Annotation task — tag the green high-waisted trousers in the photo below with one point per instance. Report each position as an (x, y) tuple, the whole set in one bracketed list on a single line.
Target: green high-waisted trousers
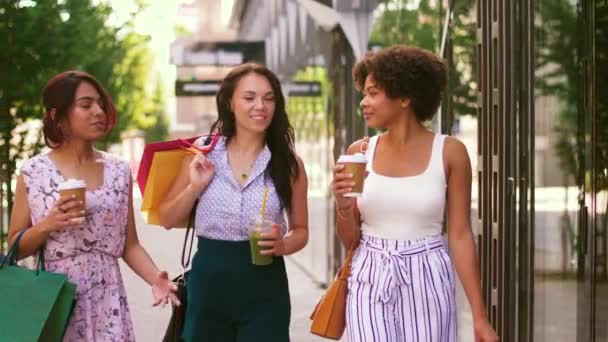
[(232, 300)]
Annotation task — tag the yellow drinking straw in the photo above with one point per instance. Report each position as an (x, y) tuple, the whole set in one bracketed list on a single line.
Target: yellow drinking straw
[(263, 206)]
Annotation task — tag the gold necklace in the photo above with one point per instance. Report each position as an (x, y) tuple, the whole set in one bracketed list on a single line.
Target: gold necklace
[(245, 175)]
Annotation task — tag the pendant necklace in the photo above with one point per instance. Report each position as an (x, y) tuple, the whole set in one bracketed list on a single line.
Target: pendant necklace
[(245, 175)]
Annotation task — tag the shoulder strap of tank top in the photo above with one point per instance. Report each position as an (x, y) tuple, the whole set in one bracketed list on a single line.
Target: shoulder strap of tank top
[(371, 151), (437, 154)]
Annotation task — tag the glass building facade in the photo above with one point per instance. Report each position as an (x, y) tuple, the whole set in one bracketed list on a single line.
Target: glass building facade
[(542, 167)]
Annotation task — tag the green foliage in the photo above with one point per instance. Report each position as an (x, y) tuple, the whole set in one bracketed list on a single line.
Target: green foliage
[(156, 125), (557, 74), (560, 74), (181, 30), (401, 22), (128, 84), (304, 110), (43, 38)]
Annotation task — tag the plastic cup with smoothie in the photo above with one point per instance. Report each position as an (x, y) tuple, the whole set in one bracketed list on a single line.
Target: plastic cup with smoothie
[(76, 188), (256, 228), (354, 164)]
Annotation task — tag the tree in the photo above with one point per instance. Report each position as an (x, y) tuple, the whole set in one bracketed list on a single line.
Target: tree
[(557, 76), (299, 108), (156, 126), (561, 60), (402, 22), (43, 38)]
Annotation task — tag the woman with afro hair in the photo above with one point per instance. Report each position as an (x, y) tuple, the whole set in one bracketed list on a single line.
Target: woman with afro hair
[(402, 283)]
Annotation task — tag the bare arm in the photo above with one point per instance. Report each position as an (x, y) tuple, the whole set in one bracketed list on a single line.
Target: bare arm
[(348, 222), (297, 235), (36, 236), (460, 235), (194, 176), (140, 262), (134, 254)]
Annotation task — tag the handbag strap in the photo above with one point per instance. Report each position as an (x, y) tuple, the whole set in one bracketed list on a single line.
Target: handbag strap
[(189, 237), (40, 266), (13, 254), (210, 143), (344, 271)]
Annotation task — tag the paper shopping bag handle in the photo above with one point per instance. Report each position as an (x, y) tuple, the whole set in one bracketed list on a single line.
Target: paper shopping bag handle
[(205, 149), (13, 254)]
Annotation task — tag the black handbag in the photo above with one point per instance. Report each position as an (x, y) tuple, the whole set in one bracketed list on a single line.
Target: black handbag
[(178, 313)]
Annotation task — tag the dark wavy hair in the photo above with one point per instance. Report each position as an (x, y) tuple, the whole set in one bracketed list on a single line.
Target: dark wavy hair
[(58, 95), (279, 136), (406, 72)]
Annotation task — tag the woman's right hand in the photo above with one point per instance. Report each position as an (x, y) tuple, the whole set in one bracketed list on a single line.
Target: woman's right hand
[(60, 215), (342, 183), (202, 171)]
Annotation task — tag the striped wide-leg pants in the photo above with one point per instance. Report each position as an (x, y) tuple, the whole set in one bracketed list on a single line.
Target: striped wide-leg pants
[(401, 291)]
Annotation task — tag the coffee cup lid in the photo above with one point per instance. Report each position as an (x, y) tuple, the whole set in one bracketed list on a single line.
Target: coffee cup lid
[(353, 158), (72, 184)]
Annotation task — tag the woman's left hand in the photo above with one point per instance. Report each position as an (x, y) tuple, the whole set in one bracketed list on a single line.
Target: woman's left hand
[(484, 332), (164, 290), (272, 242)]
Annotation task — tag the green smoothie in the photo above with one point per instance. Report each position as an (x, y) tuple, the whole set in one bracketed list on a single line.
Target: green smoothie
[(256, 257)]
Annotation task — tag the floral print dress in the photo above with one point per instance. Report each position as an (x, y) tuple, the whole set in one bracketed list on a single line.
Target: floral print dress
[(88, 253)]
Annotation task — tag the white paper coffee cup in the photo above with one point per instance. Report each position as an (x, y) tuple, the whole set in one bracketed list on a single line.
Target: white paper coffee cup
[(77, 188), (354, 164)]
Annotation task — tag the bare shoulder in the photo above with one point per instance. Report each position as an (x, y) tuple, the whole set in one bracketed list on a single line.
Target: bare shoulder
[(301, 177), (454, 145), (300, 163), (358, 146), (455, 152)]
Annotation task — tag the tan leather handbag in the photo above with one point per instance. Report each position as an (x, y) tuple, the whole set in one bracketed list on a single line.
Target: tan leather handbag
[(329, 316)]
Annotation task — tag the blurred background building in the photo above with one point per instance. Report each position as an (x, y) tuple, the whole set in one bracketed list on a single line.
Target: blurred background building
[(198, 64)]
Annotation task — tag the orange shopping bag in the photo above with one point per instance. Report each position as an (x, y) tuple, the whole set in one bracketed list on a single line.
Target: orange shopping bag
[(158, 170)]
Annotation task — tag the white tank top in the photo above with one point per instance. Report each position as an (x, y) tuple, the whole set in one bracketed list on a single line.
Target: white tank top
[(404, 208)]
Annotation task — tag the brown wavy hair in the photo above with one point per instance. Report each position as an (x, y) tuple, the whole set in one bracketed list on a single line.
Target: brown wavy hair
[(283, 165), (406, 72), (58, 95)]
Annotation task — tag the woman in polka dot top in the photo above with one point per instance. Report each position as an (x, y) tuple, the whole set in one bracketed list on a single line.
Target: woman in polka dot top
[(229, 298)]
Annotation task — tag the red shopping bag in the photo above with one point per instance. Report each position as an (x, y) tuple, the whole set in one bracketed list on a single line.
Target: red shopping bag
[(160, 166), (150, 149)]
